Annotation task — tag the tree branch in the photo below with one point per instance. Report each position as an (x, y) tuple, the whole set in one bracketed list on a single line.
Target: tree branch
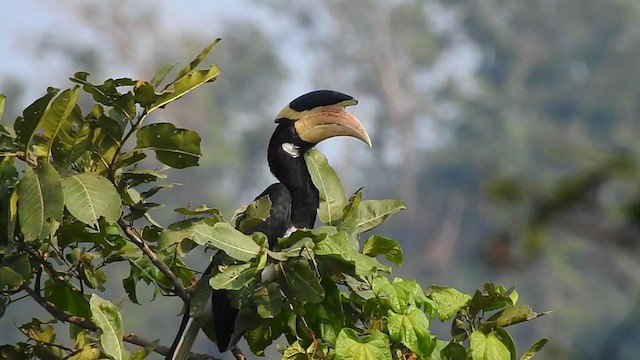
[(135, 237), (22, 156), (59, 314), (89, 325), (53, 273)]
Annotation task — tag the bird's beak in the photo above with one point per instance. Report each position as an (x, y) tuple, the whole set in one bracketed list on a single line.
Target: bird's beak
[(328, 121)]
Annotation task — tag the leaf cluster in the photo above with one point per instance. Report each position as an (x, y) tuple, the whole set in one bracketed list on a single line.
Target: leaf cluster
[(75, 199), (71, 189)]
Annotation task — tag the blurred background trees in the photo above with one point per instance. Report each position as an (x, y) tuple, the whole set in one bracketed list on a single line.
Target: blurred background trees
[(510, 128)]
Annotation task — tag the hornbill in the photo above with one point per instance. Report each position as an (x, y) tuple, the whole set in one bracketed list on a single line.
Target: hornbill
[(301, 125)]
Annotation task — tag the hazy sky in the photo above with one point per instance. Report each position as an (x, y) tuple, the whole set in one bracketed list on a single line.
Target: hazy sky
[(23, 23)]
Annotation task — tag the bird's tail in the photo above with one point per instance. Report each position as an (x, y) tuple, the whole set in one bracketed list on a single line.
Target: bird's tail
[(183, 346)]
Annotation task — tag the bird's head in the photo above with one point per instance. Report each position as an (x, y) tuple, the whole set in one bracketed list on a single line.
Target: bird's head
[(317, 116)]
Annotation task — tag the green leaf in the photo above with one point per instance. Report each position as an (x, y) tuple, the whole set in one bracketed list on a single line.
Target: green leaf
[(178, 148), (268, 300), (487, 347), (257, 212), (513, 295), (88, 196), (453, 351), (141, 268), (303, 282), (8, 199), (94, 278), (293, 251), (415, 294), (491, 297), (135, 177), (129, 158), (67, 299), (88, 352), (296, 351), (201, 210), (184, 84), (262, 333), (514, 315), (225, 237), (372, 347), (73, 140), (504, 336), (144, 94), (26, 125), (534, 349), (387, 293), (372, 213), (339, 246), (142, 353), (350, 210), (177, 232), (54, 120), (195, 62), (234, 277), (14, 272), (2, 101), (160, 74), (399, 294), (41, 198), (154, 190), (108, 94), (380, 245), (108, 319), (447, 301), (411, 330), (140, 209), (332, 199), (106, 140), (330, 312)]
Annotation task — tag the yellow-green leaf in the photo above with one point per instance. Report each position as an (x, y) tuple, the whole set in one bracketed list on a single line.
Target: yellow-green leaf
[(350, 346), (224, 237), (89, 196), (234, 277), (487, 347), (40, 199), (108, 319), (178, 148), (331, 194), (54, 120), (372, 213)]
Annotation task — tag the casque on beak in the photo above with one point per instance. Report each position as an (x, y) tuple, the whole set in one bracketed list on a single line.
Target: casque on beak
[(327, 121)]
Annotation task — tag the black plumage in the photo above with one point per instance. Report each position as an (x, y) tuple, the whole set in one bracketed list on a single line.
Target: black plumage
[(302, 124), (275, 226)]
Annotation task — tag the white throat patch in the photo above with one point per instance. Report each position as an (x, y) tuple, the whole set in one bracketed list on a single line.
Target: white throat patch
[(292, 150)]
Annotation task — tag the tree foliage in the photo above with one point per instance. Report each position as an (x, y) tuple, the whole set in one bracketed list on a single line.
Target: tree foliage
[(76, 198)]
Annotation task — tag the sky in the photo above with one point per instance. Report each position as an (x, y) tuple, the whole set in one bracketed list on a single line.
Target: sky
[(22, 24)]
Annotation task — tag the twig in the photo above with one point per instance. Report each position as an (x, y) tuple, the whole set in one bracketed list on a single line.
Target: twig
[(134, 127), (89, 325), (135, 237), (22, 156), (46, 343), (53, 273), (136, 340), (59, 314)]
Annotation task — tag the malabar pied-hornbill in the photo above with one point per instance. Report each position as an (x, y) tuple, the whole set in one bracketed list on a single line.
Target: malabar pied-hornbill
[(302, 124)]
